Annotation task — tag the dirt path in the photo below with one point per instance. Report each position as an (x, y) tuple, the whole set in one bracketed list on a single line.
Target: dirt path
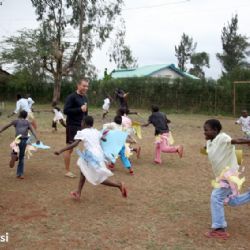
[(167, 208)]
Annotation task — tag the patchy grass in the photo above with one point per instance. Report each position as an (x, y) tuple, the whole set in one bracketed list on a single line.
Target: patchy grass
[(167, 207)]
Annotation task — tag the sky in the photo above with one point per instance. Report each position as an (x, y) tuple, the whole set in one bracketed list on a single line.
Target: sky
[(153, 28)]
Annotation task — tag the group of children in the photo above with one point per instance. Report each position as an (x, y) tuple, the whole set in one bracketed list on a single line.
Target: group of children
[(96, 167)]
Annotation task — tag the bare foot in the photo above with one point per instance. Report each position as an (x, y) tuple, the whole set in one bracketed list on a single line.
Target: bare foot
[(180, 151), (75, 195), (131, 171), (123, 190), (13, 159), (138, 152)]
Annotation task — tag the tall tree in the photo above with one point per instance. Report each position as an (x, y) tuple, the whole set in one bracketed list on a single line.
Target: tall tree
[(63, 48), (235, 47), (199, 61), (120, 53), (184, 51)]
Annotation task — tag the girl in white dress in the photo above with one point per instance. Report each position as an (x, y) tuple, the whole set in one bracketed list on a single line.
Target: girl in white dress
[(106, 106), (91, 161), (58, 117)]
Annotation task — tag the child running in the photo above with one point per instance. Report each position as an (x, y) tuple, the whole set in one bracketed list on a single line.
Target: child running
[(127, 126), (160, 122), (221, 153), (105, 107), (22, 126), (117, 125), (22, 104), (244, 121), (58, 118), (91, 161)]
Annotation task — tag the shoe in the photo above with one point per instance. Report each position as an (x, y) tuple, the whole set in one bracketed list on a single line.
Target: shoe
[(131, 171), (218, 234), (21, 177), (70, 175)]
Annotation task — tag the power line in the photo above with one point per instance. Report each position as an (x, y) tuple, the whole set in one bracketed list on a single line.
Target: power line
[(156, 5)]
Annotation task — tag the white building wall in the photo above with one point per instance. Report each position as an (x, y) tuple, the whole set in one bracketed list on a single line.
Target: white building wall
[(166, 73)]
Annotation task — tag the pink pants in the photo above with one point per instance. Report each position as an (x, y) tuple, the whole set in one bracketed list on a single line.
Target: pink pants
[(163, 146)]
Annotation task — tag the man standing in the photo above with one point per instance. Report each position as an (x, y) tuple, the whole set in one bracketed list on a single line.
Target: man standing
[(76, 109)]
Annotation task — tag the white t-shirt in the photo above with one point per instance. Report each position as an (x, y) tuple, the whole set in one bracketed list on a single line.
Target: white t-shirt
[(106, 104), (30, 102), (22, 104), (245, 123), (58, 115), (91, 140), (221, 153)]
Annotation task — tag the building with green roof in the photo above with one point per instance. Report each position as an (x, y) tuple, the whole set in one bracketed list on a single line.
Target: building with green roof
[(161, 70)]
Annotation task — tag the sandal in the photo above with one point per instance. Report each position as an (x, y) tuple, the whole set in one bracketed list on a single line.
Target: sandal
[(74, 195), (218, 234), (70, 175)]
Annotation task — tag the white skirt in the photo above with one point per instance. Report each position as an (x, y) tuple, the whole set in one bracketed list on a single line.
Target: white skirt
[(94, 171)]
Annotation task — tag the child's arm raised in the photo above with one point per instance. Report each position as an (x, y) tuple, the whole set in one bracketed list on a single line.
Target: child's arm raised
[(5, 127), (71, 146), (240, 141)]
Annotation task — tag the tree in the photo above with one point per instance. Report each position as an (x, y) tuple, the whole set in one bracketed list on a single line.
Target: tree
[(235, 47), (184, 51), (121, 53), (23, 50), (199, 60), (63, 49)]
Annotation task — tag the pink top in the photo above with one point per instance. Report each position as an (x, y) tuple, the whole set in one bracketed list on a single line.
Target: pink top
[(126, 122)]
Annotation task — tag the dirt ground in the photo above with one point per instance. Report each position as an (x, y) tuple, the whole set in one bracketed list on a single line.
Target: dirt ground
[(167, 206)]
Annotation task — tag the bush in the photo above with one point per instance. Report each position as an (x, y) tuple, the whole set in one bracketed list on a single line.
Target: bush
[(180, 95)]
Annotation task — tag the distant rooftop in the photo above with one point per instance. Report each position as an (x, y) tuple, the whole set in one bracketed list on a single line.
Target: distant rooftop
[(147, 71)]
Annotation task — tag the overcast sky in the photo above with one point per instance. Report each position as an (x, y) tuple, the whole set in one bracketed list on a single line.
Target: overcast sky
[(153, 28)]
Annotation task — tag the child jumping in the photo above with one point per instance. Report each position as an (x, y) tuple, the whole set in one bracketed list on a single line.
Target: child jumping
[(221, 153), (58, 118), (22, 126), (91, 161), (160, 122), (244, 121)]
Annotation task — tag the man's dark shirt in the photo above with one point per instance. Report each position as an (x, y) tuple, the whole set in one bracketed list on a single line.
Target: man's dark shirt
[(72, 109)]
